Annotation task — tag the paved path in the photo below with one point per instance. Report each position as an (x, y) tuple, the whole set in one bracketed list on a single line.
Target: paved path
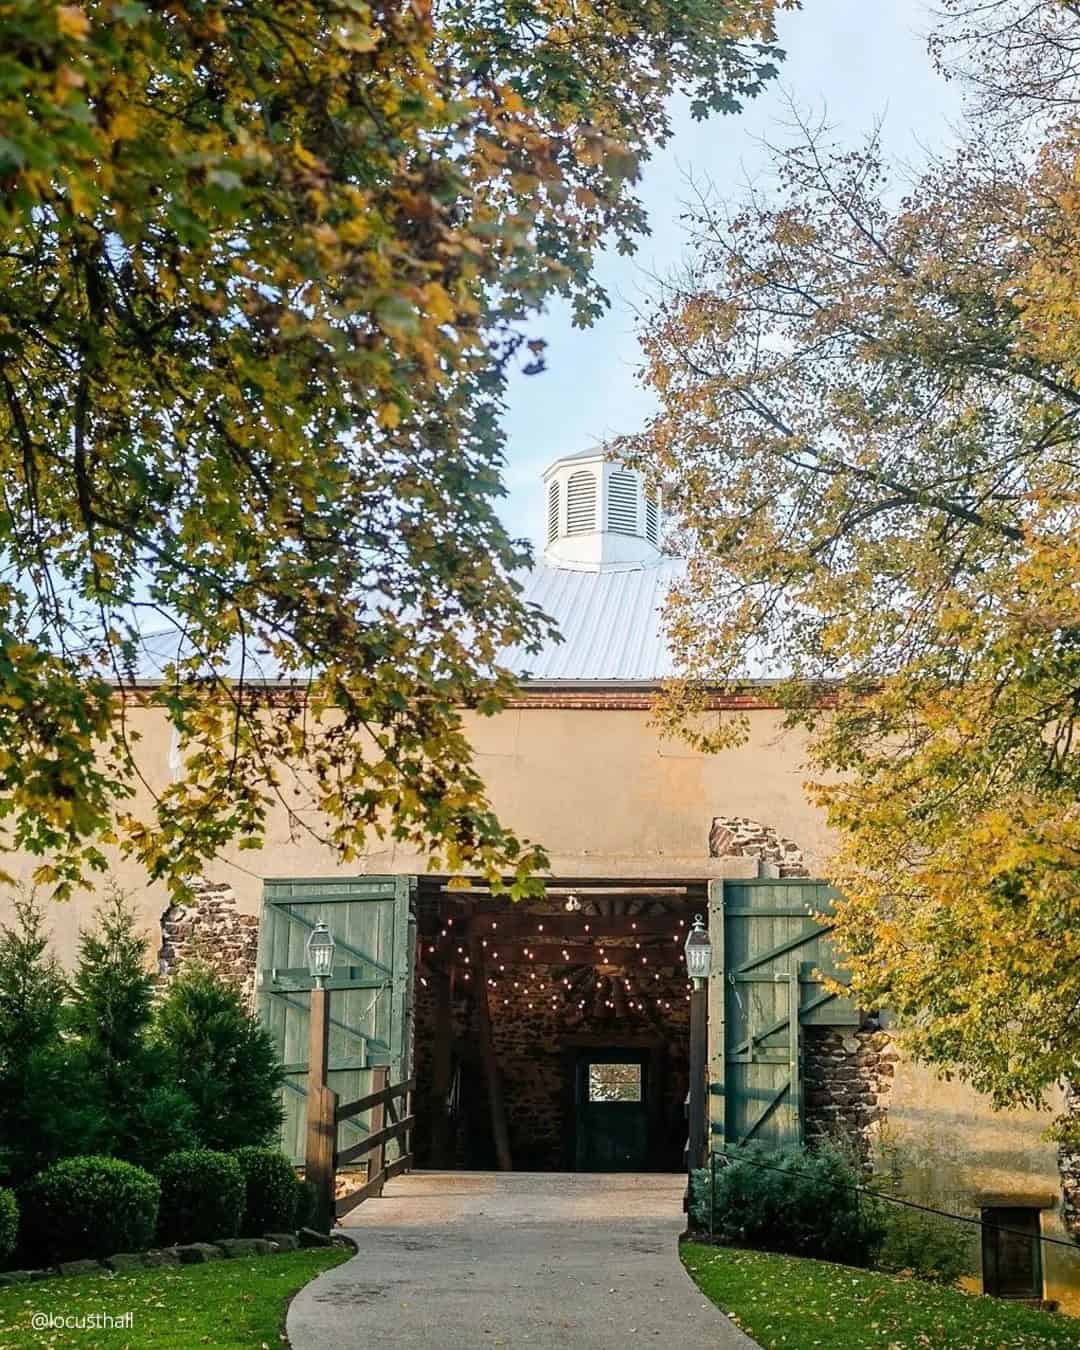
[(467, 1260)]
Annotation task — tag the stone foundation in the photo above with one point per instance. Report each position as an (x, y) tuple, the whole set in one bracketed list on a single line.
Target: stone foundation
[(847, 1080), (211, 930), (741, 837), (1069, 1163)]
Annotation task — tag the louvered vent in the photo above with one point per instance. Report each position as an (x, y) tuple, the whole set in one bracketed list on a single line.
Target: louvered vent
[(622, 502), (553, 511), (580, 502), (652, 519)]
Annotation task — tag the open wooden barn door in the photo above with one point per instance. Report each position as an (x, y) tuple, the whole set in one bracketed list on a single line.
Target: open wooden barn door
[(374, 927), (769, 955)]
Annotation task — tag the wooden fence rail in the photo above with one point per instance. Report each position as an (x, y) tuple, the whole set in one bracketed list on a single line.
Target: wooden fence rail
[(325, 1159)]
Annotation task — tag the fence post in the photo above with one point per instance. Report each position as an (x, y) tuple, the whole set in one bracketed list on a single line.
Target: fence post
[(322, 1102), (380, 1079)]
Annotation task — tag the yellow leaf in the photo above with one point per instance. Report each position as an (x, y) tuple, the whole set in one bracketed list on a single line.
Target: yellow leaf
[(124, 125), (72, 22)]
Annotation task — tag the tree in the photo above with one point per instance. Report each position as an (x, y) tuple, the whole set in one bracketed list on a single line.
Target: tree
[(142, 1113), (869, 436), (265, 266), (222, 1058), (42, 1115), (1019, 60)]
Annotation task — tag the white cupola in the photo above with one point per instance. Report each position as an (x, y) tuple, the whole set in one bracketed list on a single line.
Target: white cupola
[(599, 514)]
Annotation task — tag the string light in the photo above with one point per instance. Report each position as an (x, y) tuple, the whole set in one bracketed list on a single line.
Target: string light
[(634, 1002)]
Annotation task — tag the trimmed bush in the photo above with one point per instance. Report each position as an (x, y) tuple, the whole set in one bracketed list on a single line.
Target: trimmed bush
[(9, 1224), (89, 1207), (270, 1194), (202, 1196), (796, 1200)]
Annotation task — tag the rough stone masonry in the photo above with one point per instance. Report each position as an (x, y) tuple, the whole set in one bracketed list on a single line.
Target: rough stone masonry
[(211, 929)]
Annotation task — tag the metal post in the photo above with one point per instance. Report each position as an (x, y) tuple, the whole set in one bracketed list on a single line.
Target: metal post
[(699, 1002), (321, 1112)]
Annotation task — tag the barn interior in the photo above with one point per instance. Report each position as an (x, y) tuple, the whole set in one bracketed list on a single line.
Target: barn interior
[(552, 1035)]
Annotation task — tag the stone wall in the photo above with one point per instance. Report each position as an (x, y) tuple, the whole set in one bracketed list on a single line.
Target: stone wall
[(847, 1081), (741, 837), (1069, 1163), (211, 930)]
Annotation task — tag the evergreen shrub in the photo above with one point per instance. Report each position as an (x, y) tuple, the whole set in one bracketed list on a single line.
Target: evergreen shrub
[(798, 1200), (202, 1196), (270, 1192), (89, 1207)]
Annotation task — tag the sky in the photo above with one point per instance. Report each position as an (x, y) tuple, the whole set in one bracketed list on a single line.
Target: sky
[(858, 61)]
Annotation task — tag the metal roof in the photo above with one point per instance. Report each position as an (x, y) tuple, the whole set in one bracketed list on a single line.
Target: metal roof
[(610, 620)]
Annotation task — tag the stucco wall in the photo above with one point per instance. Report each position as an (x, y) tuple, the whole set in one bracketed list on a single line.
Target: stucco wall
[(599, 788), (969, 1157)]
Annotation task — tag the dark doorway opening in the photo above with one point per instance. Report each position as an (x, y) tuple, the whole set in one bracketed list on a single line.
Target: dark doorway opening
[(1011, 1253), (587, 980), (612, 1095)]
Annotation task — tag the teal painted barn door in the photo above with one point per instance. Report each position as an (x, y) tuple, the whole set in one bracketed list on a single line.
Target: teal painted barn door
[(769, 955), (373, 923)]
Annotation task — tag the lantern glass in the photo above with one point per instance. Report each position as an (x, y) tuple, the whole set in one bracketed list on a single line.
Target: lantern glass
[(320, 951), (698, 951)]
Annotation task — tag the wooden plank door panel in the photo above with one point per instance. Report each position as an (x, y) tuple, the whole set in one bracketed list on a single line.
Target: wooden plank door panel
[(373, 924), (770, 958)]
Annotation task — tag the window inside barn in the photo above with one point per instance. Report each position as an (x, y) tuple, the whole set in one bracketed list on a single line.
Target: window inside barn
[(614, 1082)]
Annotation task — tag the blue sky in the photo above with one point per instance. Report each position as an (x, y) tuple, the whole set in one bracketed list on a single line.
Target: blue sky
[(856, 60)]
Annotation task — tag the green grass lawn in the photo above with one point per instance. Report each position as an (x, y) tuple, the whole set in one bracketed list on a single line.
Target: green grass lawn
[(224, 1304), (797, 1304)]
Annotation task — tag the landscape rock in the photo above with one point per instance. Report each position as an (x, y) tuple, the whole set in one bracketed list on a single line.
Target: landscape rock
[(245, 1246), (122, 1262), (167, 1256), (17, 1277), (85, 1267), (310, 1237), (286, 1242), (192, 1253)]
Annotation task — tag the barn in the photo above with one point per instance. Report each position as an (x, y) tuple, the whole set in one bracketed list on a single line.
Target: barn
[(553, 1035)]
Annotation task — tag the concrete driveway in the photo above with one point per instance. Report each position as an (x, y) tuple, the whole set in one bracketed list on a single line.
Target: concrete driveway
[(465, 1260)]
